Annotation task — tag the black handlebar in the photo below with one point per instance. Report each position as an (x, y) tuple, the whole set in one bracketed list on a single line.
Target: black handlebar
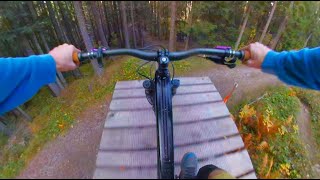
[(175, 56), (153, 56)]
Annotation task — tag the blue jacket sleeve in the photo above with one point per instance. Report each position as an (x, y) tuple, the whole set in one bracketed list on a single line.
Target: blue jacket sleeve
[(298, 68), (21, 78)]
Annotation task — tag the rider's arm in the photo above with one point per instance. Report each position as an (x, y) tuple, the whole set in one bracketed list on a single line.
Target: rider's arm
[(21, 78), (299, 68)]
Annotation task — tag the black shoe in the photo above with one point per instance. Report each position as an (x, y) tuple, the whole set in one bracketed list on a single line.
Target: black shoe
[(189, 166)]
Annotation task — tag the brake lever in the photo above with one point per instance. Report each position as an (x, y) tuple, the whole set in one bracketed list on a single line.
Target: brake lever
[(215, 59), (221, 60), (231, 64)]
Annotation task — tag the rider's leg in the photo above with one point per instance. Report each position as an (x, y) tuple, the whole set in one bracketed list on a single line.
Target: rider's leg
[(189, 166), (213, 172)]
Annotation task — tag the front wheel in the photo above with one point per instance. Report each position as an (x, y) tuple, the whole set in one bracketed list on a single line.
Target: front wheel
[(163, 107)]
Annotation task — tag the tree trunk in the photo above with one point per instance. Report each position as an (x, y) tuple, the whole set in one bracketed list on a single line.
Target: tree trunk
[(242, 29), (34, 17), (108, 19), (268, 22), (159, 21), (56, 26), (97, 16), (51, 30), (166, 25), (62, 79), (59, 82), (133, 25), (153, 19), (85, 35), (172, 38), (91, 23), (67, 22), (3, 128), (36, 42), (104, 21), (24, 114), (75, 27), (44, 42), (140, 30), (282, 27), (306, 42), (124, 24), (66, 34), (118, 23), (189, 25)]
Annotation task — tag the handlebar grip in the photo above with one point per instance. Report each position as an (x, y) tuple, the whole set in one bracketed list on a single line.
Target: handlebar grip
[(75, 58), (247, 55)]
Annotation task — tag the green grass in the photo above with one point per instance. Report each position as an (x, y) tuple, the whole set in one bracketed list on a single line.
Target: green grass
[(279, 104), (54, 116), (312, 99), (3, 140)]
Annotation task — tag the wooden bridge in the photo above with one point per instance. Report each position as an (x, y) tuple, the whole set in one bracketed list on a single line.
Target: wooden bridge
[(202, 124)]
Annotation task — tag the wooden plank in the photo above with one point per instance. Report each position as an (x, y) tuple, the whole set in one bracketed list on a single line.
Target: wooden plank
[(236, 164), (121, 173), (249, 176), (148, 158), (132, 93), (201, 125), (142, 103), (183, 81), (24, 114), (180, 114), (151, 172), (135, 138)]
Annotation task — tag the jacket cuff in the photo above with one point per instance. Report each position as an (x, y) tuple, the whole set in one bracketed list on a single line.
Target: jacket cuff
[(269, 63)]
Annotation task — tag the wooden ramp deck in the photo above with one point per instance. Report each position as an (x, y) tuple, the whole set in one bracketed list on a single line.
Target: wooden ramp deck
[(202, 124)]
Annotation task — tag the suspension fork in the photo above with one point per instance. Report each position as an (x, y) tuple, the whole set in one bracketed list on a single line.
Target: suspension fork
[(149, 86)]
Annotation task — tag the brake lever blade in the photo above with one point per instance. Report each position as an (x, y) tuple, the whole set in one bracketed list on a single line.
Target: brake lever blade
[(216, 59)]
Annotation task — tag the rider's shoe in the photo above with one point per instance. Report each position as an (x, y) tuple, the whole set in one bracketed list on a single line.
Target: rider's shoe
[(189, 166)]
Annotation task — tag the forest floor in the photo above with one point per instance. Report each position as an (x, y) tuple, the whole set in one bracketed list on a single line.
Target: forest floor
[(73, 154)]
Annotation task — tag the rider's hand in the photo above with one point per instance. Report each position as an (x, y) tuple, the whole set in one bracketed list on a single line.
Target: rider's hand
[(258, 52), (62, 55)]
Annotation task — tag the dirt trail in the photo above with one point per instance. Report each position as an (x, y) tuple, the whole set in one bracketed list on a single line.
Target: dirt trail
[(72, 155), (305, 133)]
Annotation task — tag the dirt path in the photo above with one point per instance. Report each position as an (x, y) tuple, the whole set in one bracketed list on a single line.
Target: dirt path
[(305, 133), (74, 154)]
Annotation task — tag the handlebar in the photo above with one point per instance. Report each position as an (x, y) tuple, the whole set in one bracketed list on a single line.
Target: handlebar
[(153, 56)]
